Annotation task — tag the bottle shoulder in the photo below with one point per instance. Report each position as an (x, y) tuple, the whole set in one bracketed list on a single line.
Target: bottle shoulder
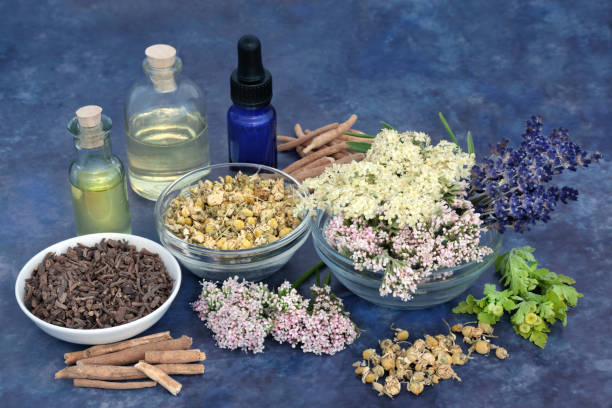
[(95, 173), (143, 97), (238, 113)]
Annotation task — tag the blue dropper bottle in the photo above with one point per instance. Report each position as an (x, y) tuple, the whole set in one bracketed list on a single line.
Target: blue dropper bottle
[(251, 121)]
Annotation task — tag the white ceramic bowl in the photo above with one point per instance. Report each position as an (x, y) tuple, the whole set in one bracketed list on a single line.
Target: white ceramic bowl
[(111, 334)]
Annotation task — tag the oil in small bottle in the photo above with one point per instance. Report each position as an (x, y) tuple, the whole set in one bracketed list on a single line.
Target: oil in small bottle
[(97, 177)]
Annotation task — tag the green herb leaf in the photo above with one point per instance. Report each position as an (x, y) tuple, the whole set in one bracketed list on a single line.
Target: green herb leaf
[(467, 306), (567, 293), (448, 129), (327, 280), (470, 143), (539, 339), (362, 135), (388, 126), (359, 147)]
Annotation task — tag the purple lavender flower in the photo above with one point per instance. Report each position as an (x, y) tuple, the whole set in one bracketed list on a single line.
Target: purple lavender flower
[(509, 188)]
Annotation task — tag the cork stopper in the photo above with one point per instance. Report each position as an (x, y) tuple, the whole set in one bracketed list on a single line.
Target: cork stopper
[(161, 56), (90, 133), (89, 116)]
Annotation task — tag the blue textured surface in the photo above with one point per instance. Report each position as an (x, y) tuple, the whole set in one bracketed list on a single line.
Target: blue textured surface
[(488, 65)]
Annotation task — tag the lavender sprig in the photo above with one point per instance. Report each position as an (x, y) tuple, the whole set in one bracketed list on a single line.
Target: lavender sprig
[(509, 188)]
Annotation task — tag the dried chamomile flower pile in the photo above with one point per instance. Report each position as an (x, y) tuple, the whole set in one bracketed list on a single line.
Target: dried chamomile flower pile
[(238, 212), (425, 362)]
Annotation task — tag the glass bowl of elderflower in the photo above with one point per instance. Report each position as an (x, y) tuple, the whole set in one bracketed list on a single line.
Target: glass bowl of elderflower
[(397, 228), (232, 219)]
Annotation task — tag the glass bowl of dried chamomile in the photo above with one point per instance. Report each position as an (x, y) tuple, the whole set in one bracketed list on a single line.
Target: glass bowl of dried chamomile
[(232, 219)]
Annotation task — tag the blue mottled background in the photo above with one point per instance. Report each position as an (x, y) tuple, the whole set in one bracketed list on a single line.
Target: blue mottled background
[(488, 65)]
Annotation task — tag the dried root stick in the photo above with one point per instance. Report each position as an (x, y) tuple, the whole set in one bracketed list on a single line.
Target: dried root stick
[(281, 138), (304, 137), (350, 158), (331, 134), (306, 173), (355, 139), (118, 373), (110, 385), (134, 354), (157, 375), (71, 358), (314, 156), (320, 162), (174, 356)]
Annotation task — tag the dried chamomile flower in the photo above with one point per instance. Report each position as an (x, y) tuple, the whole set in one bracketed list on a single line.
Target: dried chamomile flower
[(470, 332), (400, 334), (486, 328), (392, 386), (388, 363), (385, 345), (501, 353), (415, 387), (430, 341), (368, 354), (369, 378), (379, 388), (459, 358), (445, 372), (378, 371)]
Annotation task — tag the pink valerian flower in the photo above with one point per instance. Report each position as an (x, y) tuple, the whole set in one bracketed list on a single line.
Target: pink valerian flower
[(235, 313), (242, 314), (328, 328), (359, 241), (409, 255), (324, 327), (290, 312)]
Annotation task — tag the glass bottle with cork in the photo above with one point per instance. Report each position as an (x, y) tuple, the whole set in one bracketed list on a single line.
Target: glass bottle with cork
[(251, 121), (97, 177), (166, 126)]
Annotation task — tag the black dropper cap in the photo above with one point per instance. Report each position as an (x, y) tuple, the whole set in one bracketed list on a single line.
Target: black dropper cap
[(250, 83)]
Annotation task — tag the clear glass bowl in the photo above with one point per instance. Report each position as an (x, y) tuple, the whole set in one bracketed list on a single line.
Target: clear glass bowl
[(444, 285), (253, 264)]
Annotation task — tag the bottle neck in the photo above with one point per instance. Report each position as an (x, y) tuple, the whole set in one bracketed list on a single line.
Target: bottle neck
[(164, 79), (87, 152)]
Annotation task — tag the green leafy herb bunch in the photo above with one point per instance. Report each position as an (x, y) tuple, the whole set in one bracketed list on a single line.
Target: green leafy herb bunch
[(535, 297)]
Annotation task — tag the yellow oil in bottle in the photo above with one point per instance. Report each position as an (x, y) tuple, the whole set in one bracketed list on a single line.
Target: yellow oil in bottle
[(100, 202), (163, 145)]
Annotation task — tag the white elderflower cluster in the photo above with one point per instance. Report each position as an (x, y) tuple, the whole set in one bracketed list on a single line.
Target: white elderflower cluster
[(403, 180)]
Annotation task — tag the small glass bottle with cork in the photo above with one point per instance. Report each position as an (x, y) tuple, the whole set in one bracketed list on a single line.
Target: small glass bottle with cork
[(97, 177), (166, 126)]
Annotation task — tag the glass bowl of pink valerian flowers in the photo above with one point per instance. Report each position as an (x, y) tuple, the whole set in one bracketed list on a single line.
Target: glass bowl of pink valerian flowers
[(415, 224)]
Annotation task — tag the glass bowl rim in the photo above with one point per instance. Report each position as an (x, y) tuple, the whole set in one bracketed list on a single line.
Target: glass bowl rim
[(319, 239), (200, 250)]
